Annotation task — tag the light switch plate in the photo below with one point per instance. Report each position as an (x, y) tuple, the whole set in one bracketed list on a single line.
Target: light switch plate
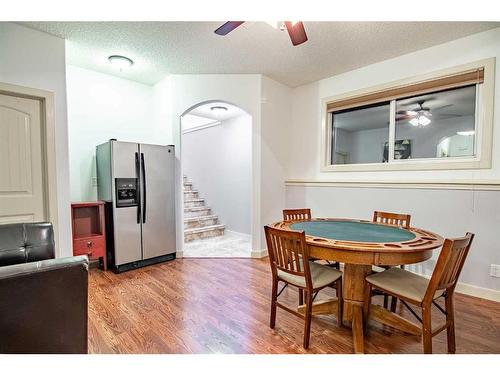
[(94, 181), (495, 270)]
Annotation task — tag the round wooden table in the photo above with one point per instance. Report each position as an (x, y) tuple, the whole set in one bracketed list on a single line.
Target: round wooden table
[(360, 245)]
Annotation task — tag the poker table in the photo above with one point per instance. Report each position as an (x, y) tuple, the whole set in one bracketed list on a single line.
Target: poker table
[(360, 245)]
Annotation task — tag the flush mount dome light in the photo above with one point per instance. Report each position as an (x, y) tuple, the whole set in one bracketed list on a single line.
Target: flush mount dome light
[(218, 110), (120, 62)]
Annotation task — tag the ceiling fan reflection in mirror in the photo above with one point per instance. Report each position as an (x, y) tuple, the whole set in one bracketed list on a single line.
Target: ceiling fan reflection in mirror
[(295, 29)]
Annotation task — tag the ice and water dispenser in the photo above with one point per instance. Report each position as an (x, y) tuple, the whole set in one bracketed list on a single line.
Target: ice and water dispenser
[(126, 192)]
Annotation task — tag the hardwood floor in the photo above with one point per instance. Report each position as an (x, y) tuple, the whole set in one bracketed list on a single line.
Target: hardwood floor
[(222, 306)]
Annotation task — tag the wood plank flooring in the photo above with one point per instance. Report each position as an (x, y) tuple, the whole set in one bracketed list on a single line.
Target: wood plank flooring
[(222, 306)]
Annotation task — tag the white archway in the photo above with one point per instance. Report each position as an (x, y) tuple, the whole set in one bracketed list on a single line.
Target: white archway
[(228, 186)]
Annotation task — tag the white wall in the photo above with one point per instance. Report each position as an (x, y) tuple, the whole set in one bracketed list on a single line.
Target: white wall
[(34, 59), (186, 91), (367, 146), (218, 160), (344, 148), (118, 108), (101, 107), (268, 103), (275, 124), (169, 99), (447, 212), (162, 109)]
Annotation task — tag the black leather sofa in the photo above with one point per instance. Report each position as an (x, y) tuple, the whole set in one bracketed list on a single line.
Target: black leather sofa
[(43, 301)]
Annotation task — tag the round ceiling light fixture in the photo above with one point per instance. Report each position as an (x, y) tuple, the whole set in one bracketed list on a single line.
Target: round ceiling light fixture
[(218, 110), (120, 62)]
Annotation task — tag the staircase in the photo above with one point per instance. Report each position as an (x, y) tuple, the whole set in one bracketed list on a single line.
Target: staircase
[(199, 223)]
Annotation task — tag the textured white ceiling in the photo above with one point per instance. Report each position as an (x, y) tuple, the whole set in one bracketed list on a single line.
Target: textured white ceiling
[(161, 48)]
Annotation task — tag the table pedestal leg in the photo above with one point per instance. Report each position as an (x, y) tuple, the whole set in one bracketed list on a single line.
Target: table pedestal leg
[(354, 287)]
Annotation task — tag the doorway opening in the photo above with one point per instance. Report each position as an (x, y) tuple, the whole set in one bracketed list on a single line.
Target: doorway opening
[(216, 156)]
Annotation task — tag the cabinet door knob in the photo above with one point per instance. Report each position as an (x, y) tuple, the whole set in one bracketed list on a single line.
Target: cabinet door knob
[(89, 243)]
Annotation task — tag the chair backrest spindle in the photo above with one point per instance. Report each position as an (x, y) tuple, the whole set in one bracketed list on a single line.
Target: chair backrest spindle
[(297, 214), (402, 220), (288, 251)]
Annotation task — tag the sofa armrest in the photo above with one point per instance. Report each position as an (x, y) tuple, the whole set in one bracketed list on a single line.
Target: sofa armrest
[(43, 306), (22, 269)]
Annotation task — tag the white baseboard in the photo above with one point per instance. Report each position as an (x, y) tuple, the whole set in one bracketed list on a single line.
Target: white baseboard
[(259, 253), (463, 288), (179, 254), (244, 235), (477, 291), (474, 291)]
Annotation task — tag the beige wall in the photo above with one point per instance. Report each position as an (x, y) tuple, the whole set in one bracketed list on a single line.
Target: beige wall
[(305, 129)]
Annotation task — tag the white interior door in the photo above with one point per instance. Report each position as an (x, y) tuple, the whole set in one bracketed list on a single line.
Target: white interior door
[(22, 188)]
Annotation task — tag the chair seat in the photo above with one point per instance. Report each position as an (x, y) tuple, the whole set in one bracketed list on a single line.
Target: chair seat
[(402, 283), (321, 276)]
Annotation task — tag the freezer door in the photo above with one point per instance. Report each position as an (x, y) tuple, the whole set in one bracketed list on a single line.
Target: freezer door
[(158, 200), (126, 220)]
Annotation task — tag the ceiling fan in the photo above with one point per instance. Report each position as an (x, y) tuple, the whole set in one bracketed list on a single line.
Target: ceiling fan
[(421, 115), (295, 30)]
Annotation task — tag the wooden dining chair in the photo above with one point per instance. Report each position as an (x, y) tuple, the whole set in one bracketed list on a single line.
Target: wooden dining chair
[(391, 218), (414, 289), (293, 214), (288, 257), (297, 214)]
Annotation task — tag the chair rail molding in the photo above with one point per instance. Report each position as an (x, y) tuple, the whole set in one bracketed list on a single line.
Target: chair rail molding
[(487, 185)]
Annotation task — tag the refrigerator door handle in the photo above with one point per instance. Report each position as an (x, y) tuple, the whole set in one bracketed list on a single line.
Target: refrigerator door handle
[(144, 188), (137, 173)]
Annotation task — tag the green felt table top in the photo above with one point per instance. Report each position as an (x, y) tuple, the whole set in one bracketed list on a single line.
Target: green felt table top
[(353, 231)]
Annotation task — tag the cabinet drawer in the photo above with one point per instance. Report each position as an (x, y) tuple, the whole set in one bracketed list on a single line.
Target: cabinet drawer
[(93, 247)]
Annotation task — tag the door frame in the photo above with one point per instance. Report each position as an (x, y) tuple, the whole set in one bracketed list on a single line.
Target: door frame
[(48, 139)]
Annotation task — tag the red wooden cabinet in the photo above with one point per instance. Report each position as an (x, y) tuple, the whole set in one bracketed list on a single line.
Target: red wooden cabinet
[(89, 233)]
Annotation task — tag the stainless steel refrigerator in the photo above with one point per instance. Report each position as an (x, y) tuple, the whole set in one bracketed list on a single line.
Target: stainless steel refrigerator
[(137, 182)]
